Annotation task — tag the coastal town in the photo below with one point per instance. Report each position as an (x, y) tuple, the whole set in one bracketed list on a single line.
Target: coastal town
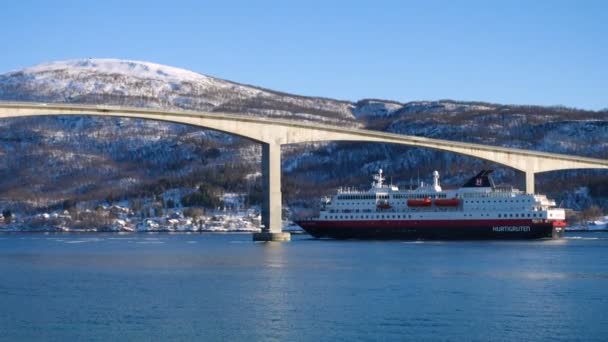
[(164, 215)]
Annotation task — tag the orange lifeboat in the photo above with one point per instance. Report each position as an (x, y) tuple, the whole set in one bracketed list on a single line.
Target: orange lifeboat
[(559, 224), (447, 202), (419, 202)]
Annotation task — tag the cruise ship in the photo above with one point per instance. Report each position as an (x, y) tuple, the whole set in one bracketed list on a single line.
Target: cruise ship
[(476, 210)]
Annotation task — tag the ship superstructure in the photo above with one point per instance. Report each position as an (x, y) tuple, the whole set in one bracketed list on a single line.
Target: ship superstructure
[(476, 210)]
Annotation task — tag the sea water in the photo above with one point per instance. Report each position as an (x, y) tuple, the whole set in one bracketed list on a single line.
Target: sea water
[(224, 287)]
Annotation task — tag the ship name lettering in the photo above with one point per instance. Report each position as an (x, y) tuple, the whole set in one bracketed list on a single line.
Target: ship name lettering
[(511, 228)]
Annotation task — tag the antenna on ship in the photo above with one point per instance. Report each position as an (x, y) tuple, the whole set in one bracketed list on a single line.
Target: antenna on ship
[(378, 179)]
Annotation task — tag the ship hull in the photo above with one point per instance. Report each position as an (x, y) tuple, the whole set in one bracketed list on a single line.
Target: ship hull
[(433, 229)]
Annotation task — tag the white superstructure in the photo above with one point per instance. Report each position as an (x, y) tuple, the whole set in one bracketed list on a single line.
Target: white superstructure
[(478, 199)]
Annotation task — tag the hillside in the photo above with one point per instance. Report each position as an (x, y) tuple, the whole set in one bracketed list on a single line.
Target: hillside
[(48, 160)]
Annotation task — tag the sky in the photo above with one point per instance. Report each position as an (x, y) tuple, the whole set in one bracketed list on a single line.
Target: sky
[(510, 52)]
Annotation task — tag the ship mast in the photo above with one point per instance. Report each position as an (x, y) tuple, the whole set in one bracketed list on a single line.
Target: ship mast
[(436, 185), (378, 180)]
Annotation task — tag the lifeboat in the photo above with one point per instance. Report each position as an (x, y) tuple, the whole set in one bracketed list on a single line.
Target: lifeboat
[(559, 224), (447, 202), (419, 202)]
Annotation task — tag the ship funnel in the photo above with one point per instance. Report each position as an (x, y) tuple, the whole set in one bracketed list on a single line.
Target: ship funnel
[(482, 179)]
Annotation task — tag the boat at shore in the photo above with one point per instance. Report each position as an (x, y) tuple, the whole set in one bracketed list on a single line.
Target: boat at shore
[(476, 210)]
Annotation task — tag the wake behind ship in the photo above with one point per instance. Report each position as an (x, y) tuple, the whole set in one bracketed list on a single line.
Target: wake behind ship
[(477, 210)]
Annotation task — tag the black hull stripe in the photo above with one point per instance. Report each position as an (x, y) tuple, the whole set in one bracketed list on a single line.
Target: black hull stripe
[(432, 230)]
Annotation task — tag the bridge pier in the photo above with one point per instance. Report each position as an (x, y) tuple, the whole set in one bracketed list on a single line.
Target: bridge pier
[(272, 202), (529, 182)]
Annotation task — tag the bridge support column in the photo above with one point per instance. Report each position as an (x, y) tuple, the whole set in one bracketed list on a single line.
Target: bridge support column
[(272, 202), (529, 182)]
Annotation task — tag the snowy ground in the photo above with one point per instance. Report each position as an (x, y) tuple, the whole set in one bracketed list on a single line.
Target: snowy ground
[(601, 224)]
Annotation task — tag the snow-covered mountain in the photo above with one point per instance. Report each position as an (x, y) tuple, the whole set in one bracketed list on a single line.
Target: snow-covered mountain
[(47, 160), (142, 84)]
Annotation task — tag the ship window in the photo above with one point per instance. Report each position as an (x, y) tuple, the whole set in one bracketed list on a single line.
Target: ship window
[(534, 215)]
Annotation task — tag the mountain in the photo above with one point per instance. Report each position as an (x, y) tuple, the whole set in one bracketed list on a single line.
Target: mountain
[(142, 84), (48, 160)]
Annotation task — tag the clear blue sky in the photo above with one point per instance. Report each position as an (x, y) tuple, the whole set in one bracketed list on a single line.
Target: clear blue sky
[(518, 52)]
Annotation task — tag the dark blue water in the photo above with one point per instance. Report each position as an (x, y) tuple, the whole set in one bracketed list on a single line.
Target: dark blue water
[(181, 287)]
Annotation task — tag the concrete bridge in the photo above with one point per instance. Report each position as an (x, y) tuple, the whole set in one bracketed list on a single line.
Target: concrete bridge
[(272, 133)]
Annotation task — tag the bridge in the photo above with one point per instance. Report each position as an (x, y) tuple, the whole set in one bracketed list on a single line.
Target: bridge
[(272, 133)]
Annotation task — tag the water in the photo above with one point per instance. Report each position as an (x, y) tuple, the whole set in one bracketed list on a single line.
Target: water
[(179, 287)]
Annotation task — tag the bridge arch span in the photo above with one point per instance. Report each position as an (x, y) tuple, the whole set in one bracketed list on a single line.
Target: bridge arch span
[(188, 120), (272, 133)]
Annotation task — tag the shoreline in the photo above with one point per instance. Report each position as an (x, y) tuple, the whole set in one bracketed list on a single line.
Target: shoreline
[(136, 232)]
